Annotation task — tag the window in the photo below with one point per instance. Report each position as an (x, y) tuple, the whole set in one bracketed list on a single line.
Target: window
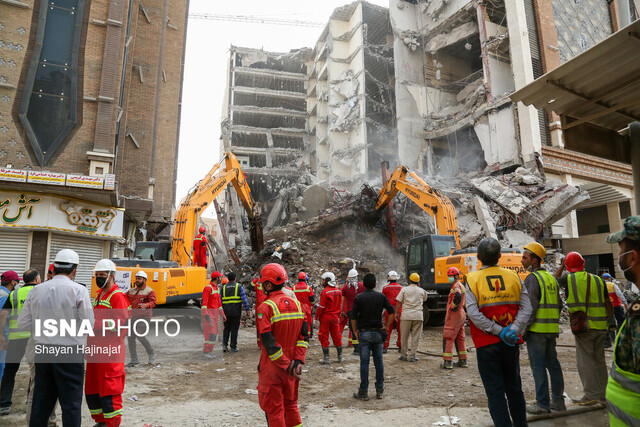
[(415, 255), (442, 247), (49, 100)]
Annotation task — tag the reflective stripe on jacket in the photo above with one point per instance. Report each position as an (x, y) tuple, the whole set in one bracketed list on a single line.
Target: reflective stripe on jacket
[(623, 393), (17, 299), (577, 285), (548, 314)]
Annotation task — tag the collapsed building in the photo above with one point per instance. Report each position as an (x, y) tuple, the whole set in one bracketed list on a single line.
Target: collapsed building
[(426, 84)]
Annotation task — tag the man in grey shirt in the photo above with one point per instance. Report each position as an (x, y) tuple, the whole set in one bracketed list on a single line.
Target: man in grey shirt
[(59, 359)]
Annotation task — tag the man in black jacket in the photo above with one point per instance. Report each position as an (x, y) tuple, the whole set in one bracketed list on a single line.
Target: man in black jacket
[(366, 319), (233, 300)]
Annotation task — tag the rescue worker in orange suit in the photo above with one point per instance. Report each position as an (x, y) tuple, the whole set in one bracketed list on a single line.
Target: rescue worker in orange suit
[(328, 313), (350, 290), (200, 248), (305, 297), (391, 291), (142, 299), (453, 333), (283, 333), (104, 380), (211, 305)]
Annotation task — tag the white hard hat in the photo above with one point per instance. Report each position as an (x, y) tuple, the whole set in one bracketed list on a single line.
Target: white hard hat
[(67, 256), (352, 273), (329, 275), (393, 275), (105, 265), (141, 274)]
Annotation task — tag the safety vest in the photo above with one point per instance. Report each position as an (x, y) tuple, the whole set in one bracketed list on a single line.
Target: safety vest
[(107, 301), (611, 289), (17, 299), (548, 314), (623, 393), (214, 291), (497, 291), (231, 299), (597, 312)]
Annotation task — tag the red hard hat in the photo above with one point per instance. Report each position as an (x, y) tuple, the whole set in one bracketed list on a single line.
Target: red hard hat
[(452, 271), (215, 275), (274, 273), (574, 262), (201, 229), (302, 276)]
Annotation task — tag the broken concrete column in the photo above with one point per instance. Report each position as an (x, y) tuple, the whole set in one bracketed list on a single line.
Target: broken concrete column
[(461, 32), (485, 216)]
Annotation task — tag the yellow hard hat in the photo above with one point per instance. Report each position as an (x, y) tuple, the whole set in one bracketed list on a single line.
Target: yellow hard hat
[(536, 248), (415, 277)]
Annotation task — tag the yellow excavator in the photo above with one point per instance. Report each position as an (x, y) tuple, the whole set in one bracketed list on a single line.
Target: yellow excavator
[(431, 255), (169, 265)]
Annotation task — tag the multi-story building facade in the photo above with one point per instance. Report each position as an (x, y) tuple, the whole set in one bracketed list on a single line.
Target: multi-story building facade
[(89, 116)]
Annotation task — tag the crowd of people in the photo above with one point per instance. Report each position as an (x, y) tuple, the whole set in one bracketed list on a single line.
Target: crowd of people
[(503, 312)]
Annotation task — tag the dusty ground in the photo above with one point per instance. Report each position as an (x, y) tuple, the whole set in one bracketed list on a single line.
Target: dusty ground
[(184, 390)]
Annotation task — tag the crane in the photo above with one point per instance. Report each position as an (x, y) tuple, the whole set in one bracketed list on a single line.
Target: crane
[(256, 20)]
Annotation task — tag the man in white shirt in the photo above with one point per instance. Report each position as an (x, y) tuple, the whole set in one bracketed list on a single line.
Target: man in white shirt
[(410, 301), (59, 359)]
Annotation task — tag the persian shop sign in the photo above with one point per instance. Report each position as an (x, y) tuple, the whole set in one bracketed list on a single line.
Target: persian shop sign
[(59, 213)]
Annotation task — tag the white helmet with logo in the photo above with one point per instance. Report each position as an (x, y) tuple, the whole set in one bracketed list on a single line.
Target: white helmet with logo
[(141, 274), (66, 257), (393, 275), (353, 273), (329, 275), (105, 265)]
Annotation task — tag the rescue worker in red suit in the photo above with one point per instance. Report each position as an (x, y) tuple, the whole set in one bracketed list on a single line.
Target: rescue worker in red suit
[(305, 296), (328, 313), (142, 300), (453, 333), (104, 380), (391, 291), (349, 292), (200, 248), (211, 304), (283, 333)]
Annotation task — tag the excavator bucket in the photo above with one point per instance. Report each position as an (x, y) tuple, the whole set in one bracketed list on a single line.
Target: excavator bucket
[(255, 233)]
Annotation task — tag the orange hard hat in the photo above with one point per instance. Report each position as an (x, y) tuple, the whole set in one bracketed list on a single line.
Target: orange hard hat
[(274, 273), (201, 229), (574, 262), (225, 280), (452, 271), (302, 276)]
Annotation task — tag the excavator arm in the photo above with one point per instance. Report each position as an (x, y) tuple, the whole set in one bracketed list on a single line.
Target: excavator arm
[(431, 201), (202, 195)]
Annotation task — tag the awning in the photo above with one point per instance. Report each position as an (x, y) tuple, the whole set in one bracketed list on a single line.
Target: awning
[(601, 86)]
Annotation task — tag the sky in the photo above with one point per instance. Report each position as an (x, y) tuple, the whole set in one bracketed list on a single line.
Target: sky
[(207, 54)]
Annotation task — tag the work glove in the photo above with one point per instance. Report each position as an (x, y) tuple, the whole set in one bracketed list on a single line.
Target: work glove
[(295, 369), (507, 336)]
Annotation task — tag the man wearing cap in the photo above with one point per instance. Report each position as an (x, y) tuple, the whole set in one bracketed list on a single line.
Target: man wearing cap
[(304, 294), (391, 291), (8, 282), (542, 330), (200, 248), (587, 293), (283, 334), (210, 308), (17, 339), (58, 377), (50, 272), (409, 304), (142, 300), (623, 388)]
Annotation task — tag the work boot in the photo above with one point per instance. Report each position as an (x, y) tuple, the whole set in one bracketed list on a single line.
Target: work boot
[(462, 363), (234, 350), (152, 358), (585, 401), (537, 410), (208, 355), (5, 411), (100, 425), (413, 359), (340, 358), (447, 364), (384, 351), (558, 405), (361, 394), (379, 393), (325, 356), (131, 364), (404, 358), (225, 348)]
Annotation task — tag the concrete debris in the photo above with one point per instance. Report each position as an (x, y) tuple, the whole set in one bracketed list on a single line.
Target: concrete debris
[(503, 194), (411, 42), (469, 90), (433, 8), (345, 116), (485, 217), (461, 32), (516, 239), (470, 230), (346, 85)]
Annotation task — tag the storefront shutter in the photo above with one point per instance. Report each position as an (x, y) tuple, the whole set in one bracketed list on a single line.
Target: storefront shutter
[(13, 250), (89, 250)]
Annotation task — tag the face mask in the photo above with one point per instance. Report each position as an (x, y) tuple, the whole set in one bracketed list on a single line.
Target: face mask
[(101, 281), (452, 279), (629, 275)]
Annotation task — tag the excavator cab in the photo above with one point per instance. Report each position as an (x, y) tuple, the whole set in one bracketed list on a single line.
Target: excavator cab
[(421, 255)]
